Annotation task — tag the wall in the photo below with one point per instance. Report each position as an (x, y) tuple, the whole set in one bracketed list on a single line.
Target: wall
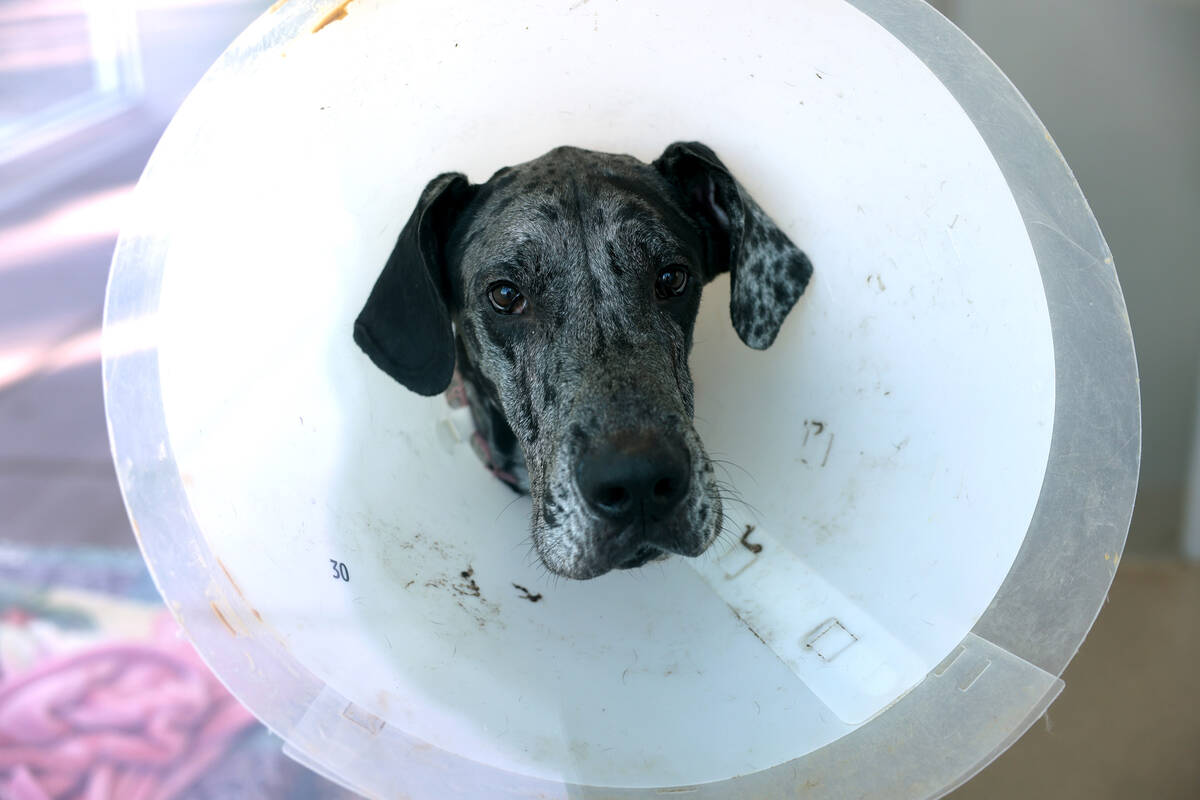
[(1117, 82)]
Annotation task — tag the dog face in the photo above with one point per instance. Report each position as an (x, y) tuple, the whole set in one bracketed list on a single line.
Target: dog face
[(567, 289)]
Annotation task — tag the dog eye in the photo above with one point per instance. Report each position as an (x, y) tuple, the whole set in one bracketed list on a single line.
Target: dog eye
[(506, 298), (670, 283)]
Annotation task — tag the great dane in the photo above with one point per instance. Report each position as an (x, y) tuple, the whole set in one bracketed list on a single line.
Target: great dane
[(566, 290)]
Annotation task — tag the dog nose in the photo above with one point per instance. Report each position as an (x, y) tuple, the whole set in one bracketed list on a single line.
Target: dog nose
[(632, 476)]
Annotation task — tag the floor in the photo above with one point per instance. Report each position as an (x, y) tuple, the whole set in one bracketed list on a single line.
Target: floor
[(58, 487), (1128, 724)]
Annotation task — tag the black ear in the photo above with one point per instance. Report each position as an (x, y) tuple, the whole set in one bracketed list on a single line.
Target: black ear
[(405, 325), (767, 272)]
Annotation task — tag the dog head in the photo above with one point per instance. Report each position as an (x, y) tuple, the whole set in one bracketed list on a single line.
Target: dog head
[(566, 289)]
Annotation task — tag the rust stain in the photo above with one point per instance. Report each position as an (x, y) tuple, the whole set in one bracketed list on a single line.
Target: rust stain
[(338, 12), (257, 615), (278, 4), (225, 622), (232, 582)]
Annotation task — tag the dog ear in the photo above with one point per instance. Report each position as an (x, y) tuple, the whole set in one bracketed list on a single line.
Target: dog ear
[(768, 273), (405, 325)]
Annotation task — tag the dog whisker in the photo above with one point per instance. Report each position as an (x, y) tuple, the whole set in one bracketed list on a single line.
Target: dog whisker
[(718, 458), (728, 493), (507, 507)]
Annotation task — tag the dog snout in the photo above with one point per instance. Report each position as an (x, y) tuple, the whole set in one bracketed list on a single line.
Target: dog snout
[(634, 476)]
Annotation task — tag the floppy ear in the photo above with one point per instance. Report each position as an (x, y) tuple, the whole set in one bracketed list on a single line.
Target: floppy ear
[(405, 325), (767, 272)]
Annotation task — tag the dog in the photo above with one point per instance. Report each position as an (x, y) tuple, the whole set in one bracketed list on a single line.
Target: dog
[(566, 289)]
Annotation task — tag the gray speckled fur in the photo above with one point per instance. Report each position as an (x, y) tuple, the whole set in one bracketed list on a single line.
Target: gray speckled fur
[(583, 235)]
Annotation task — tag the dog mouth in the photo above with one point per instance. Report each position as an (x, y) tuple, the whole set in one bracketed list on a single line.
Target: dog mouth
[(642, 555)]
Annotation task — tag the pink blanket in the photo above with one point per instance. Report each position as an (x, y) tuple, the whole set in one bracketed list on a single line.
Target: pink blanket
[(118, 722)]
